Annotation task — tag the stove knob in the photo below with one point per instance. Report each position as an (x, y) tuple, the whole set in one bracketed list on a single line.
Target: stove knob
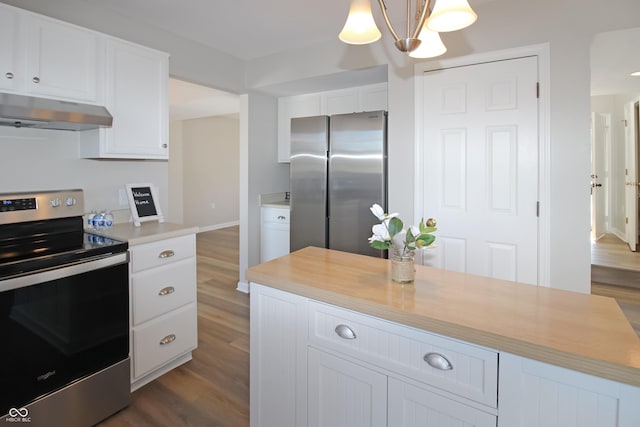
[(70, 201), (55, 203)]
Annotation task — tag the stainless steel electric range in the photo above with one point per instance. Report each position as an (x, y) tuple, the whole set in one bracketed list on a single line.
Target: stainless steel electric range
[(64, 313)]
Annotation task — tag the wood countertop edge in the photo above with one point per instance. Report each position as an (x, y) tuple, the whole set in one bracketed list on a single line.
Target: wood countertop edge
[(596, 367)]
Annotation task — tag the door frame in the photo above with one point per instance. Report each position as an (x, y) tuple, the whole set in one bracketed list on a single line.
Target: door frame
[(541, 51)]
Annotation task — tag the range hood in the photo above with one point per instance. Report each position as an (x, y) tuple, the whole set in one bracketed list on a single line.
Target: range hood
[(41, 113)]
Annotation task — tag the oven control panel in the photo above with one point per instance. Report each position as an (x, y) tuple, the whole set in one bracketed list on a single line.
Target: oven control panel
[(8, 205), (23, 207)]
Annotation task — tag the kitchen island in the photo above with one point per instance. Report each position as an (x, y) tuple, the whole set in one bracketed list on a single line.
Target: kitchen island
[(483, 351)]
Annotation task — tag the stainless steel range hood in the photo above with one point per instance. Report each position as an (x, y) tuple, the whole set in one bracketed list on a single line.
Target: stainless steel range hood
[(41, 113)]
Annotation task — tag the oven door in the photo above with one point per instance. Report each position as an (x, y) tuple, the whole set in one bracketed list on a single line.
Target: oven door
[(60, 325)]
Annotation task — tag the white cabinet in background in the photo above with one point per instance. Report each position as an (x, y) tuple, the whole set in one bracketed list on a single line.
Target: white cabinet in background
[(274, 233), (136, 96), (163, 306), (342, 101), (50, 58)]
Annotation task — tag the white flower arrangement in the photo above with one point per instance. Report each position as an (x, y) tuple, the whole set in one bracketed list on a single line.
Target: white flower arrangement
[(390, 234)]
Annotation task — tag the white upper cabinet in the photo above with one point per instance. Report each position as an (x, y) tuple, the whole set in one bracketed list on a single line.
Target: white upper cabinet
[(8, 48), (342, 101), (45, 57), (136, 96)]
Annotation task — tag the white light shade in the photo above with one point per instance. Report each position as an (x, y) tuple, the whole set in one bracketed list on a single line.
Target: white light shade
[(360, 27), (451, 15), (431, 45)]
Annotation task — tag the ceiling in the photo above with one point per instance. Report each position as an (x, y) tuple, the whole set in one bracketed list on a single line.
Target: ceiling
[(249, 29)]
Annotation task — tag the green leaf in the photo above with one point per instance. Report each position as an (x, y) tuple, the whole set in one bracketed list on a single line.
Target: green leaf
[(395, 226), (426, 239), (377, 244)]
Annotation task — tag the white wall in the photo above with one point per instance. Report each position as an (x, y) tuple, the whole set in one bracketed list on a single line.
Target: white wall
[(34, 159), (210, 180)]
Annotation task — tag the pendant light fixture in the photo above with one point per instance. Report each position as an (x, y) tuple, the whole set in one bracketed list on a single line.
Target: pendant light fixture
[(422, 39)]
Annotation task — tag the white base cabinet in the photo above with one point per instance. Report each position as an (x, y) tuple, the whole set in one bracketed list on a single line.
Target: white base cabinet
[(274, 233), (313, 364), (536, 394), (163, 306)]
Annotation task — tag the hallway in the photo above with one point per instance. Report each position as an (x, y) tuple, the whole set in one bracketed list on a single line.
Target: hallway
[(615, 272)]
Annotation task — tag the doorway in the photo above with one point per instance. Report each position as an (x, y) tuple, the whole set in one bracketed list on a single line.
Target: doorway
[(615, 167), (480, 142), (204, 165)]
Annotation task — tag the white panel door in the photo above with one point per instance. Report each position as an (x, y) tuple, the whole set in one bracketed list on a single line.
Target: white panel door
[(480, 164), (599, 173), (631, 179)]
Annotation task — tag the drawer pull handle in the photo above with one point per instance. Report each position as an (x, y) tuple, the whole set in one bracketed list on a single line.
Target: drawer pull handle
[(166, 291), (282, 217), (9, 75), (345, 332), (168, 339), (438, 361), (166, 254)]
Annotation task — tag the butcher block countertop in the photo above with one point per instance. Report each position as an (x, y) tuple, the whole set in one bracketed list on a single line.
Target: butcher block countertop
[(586, 333), (145, 233)]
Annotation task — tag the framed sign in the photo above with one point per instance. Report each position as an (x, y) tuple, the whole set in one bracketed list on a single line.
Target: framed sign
[(143, 201)]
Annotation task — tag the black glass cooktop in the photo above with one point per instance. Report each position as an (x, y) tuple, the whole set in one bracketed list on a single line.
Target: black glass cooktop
[(37, 245)]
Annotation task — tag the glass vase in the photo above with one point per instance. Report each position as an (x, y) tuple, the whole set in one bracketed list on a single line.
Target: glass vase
[(403, 270)]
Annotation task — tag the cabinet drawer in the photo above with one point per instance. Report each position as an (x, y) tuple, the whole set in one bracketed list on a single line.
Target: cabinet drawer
[(162, 252), (160, 290), (473, 371), (275, 215), (163, 339)]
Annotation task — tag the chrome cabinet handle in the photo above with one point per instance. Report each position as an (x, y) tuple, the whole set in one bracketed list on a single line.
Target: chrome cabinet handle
[(282, 217), (9, 75), (168, 339), (36, 79), (345, 332), (166, 254), (438, 361), (166, 291), (165, 145)]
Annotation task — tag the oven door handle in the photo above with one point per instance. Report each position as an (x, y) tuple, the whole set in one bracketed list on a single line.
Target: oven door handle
[(66, 270)]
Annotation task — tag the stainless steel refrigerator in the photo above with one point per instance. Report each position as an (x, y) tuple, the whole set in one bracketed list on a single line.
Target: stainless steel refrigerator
[(338, 170)]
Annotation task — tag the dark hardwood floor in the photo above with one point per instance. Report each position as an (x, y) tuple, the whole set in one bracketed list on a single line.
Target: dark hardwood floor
[(213, 388)]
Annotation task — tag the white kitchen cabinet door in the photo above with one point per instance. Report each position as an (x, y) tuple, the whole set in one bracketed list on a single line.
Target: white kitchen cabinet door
[(278, 358), (274, 233), (136, 96), (45, 57), (372, 97), (536, 394), (342, 101), (9, 67), (63, 61), (343, 394), (411, 406)]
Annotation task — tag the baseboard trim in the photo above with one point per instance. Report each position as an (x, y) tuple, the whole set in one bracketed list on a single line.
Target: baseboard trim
[(243, 287)]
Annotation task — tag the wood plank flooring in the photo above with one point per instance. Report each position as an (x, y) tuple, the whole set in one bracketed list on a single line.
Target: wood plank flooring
[(213, 388)]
